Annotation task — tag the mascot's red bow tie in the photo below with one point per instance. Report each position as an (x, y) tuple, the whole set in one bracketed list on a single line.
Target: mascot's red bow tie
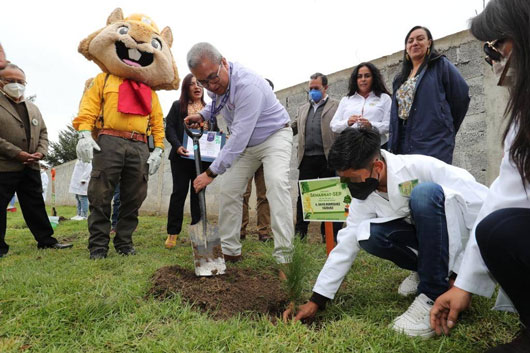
[(134, 98)]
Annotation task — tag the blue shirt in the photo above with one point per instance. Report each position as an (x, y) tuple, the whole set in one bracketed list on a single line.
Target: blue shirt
[(252, 113)]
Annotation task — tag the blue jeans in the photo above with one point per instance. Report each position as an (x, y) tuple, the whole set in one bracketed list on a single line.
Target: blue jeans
[(82, 205), (393, 240), (115, 207)]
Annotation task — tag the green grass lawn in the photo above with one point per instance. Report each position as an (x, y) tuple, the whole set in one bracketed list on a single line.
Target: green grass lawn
[(60, 301)]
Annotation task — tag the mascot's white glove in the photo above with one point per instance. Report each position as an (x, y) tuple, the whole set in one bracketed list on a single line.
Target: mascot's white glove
[(85, 146), (154, 160)]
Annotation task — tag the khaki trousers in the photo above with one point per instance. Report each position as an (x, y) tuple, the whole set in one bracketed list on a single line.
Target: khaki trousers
[(275, 155)]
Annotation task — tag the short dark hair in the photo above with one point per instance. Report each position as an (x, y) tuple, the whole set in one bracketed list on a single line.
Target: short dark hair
[(378, 85), (355, 149), (322, 76)]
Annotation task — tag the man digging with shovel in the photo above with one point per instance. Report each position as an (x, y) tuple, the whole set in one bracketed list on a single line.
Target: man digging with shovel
[(259, 133)]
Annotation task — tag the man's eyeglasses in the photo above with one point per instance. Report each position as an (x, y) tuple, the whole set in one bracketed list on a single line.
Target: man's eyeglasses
[(492, 51), (211, 80)]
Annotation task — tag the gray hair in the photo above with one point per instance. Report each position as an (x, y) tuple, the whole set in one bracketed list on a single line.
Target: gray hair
[(202, 51)]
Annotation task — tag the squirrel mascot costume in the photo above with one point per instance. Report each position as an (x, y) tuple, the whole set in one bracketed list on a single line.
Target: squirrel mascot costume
[(121, 111)]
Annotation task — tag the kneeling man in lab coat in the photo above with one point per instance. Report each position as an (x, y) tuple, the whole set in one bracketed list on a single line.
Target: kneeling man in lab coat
[(413, 210)]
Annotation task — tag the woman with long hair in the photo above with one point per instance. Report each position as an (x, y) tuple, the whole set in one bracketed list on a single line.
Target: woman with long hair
[(182, 169), (429, 102), (499, 247), (366, 104)]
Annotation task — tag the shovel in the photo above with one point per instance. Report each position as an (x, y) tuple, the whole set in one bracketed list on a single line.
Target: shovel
[(205, 240)]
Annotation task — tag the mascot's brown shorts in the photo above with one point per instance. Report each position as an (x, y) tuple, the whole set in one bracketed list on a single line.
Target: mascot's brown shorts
[(119, 161)]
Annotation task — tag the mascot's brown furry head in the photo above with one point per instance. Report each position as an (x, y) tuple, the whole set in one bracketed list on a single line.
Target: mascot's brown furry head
[(133, 48)]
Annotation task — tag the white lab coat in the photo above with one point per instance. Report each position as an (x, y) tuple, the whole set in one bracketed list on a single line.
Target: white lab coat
[(44, 179), (80, 178), (463, 199), (506, 191)]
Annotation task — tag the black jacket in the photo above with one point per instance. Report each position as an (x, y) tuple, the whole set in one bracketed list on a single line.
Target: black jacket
[(175, 129)]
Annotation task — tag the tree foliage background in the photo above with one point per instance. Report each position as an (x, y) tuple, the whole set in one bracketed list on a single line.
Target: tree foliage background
[(64, 150)]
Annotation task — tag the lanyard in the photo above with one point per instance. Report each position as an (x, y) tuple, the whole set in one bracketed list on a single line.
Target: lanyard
[(215, 110)]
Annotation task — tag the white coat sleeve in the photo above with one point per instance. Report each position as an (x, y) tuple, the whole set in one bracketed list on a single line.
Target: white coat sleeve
[(342, 256), (473, 275)]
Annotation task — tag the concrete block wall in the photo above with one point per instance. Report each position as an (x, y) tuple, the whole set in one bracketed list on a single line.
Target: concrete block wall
[(478, 142)]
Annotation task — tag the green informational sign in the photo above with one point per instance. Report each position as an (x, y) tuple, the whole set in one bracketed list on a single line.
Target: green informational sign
[(325, 199)]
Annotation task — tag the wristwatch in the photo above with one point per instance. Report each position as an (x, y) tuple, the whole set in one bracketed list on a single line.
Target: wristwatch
[(211, 174)]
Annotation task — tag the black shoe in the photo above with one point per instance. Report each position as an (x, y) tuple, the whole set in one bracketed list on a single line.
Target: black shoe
[(98, 255), (57, 246), (520, 344), (126, 251)]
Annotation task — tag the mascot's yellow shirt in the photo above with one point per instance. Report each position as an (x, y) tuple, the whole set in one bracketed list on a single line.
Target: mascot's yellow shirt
[(90, 108)]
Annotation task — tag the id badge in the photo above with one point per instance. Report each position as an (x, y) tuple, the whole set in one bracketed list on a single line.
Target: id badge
[(405, 188)]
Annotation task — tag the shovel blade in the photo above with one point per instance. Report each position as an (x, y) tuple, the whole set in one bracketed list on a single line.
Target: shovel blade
[(207, 253)]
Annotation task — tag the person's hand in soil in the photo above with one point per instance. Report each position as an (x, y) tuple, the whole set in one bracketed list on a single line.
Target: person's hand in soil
[(305, 312), (446, 309)]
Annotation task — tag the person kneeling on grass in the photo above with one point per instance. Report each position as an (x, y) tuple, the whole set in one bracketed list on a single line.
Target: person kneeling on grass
[(413, 210)]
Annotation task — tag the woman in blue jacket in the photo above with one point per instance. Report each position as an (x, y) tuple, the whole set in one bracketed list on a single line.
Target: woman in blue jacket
[(430, 100)]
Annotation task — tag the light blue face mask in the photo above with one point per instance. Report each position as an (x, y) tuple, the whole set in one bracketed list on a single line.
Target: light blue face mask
[(315, 95)]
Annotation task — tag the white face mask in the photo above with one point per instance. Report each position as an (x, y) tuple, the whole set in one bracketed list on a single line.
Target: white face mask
[(504, 73), (14, 90)]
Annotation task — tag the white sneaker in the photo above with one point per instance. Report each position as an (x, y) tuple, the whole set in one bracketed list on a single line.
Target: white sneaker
[(76, 218), (409, 285), (415, 321)]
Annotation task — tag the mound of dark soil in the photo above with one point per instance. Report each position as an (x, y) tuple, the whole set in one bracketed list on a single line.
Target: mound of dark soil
[(240, 290)]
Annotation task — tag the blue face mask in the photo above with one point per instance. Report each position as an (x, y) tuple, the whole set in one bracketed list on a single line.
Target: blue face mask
[(315, 95)]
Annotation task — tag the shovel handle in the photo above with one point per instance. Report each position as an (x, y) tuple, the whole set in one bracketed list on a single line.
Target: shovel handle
[(197, 156), (192, 134)]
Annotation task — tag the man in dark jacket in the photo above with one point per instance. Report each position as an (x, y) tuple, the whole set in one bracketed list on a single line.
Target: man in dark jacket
[(23, 142), (315, 138)]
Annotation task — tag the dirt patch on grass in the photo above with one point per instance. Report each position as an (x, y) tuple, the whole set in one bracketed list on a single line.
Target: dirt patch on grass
[(240, 290)]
